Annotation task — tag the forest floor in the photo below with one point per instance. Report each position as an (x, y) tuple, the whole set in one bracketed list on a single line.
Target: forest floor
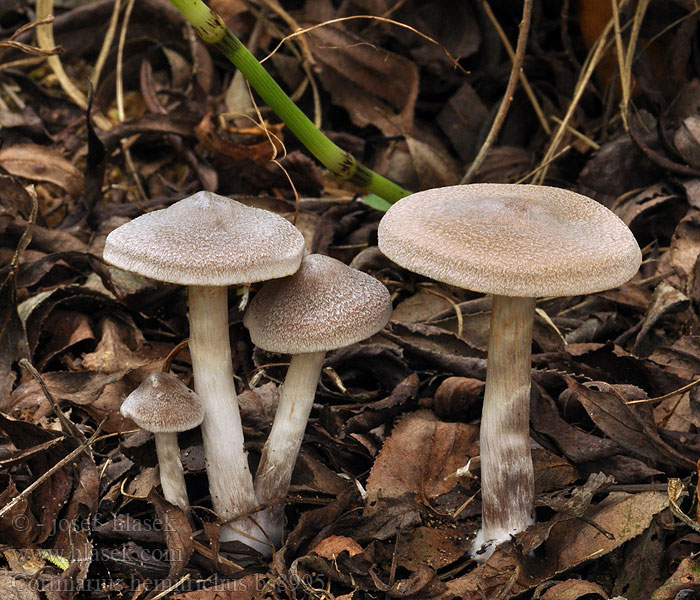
[(376, 508)]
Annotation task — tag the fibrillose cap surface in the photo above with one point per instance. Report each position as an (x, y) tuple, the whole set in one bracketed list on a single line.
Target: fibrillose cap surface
[(207, 240), (163, 404), (323, 306), (511, 240)]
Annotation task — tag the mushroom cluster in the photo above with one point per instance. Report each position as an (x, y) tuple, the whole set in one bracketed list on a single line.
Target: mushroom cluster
[(516, 242), (208, 242)]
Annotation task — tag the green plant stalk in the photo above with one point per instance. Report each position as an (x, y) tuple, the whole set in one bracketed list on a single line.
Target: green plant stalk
[(211, 28)]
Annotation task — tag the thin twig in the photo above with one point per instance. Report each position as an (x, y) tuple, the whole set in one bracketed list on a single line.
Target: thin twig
[(507, 96), (106, 44)]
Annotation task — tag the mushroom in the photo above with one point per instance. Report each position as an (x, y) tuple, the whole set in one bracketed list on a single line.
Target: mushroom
[(516, 242), (324, 306), (163, 405), (208, 242)]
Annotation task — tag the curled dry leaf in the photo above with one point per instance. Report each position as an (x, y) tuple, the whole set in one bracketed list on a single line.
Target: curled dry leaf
[(255, 145), (40, 163)]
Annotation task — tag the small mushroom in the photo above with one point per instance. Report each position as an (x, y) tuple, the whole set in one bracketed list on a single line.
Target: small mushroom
[(516, 242), (323, 306), (208, 242), (163, 405)]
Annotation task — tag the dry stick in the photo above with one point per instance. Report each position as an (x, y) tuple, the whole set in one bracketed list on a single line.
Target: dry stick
[(507, 96), (25, 454), (523, 79), (59, 465)]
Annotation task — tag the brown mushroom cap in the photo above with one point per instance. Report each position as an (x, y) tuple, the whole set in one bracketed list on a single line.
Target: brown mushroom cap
[(323, 306), (207, 240), (511, 240), (163, 404)]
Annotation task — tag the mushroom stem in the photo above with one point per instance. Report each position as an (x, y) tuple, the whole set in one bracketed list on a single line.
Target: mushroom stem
[(172, 477), (230, 481), (507, 475), (282, 447)]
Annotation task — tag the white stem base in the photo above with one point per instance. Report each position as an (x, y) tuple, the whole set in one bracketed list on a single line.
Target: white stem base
[(172, 477), (230, 481), (282, 447), (507, 475)]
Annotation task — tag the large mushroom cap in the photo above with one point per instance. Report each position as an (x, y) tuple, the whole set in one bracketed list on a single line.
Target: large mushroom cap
[(323, 306), (207, 240), (163, 404), (511, 240)]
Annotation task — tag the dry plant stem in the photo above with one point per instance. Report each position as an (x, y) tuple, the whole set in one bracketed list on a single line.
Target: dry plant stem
[(507, 477), (172, 477), (230, 481), (282, 447), (106, 44), (44, 38), (507, 96)]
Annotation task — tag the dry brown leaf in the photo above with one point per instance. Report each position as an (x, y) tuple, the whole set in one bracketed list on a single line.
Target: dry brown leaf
[(439, 449), (419, 307), (686, 577), (13, 588), (41, 163), (18, 528), (246, 588), (573, 589), (333, 545), (375, 86), (570, 544)]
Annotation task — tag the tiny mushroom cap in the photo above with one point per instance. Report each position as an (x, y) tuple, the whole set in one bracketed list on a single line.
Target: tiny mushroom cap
[(323, 306), (510, 240), (163, 404), (207, 240)]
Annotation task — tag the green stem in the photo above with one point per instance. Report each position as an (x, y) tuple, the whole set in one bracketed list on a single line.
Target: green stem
[(211, 28)]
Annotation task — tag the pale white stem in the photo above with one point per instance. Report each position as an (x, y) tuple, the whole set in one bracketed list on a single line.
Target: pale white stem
[(230, 480), (282, 447), (507, 476), (172, 477)]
